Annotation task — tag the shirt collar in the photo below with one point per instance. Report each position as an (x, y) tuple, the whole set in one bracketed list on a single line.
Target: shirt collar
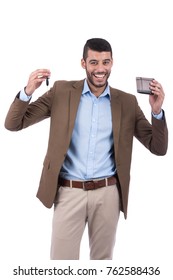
[(87, 89)]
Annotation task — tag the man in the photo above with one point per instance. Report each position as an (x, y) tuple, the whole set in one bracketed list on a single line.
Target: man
[(87, 165)]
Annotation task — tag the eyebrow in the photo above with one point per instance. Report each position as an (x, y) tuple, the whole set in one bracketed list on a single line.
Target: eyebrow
[(94, 60)]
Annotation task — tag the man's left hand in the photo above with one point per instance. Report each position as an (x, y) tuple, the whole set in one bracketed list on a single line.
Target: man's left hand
[(156, 100)]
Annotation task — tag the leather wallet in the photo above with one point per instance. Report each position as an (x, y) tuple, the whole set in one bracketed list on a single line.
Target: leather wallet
[(143, 84)]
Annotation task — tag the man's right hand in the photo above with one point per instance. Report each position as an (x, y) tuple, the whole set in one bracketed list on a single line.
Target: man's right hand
[(35, 80)]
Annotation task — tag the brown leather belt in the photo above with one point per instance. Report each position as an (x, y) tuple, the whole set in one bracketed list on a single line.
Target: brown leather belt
[(88, 185)]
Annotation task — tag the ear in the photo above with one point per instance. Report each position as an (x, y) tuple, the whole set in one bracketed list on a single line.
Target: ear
[(83, 64)]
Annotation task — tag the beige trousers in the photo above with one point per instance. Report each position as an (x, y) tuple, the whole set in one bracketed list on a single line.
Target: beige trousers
[(72, 210)]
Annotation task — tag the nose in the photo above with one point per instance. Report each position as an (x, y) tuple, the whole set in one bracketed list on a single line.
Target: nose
[(100, 67)]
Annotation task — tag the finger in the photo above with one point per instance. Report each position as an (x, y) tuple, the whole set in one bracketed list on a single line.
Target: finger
[(159, 93), (43, 72), (156, 87), (39, 74), (155, 83)]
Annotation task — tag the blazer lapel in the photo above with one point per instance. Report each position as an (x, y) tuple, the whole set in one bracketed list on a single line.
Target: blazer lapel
[(116, 117), (75, 94)]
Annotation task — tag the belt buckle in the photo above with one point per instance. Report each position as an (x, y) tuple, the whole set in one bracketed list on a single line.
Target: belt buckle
[(88, 185)]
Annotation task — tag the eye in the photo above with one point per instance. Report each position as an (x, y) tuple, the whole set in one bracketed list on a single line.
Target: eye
[(106, 62), (93, 62)]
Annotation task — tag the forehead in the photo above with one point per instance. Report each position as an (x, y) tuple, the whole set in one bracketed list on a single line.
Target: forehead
[(94, 55)]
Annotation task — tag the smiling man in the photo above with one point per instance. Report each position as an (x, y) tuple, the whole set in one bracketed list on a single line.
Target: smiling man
[(86, 170)]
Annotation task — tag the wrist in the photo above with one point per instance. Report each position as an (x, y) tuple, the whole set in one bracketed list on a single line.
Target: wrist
[(158, 116), (27, 92), (156, 112)]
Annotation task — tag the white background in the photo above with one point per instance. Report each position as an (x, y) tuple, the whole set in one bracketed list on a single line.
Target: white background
[(51, 34)]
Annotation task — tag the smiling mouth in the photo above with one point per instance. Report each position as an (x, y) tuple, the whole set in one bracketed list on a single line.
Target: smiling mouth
[(99, 76)]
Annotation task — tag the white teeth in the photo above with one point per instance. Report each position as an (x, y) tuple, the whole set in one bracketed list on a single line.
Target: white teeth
[(99, 76)]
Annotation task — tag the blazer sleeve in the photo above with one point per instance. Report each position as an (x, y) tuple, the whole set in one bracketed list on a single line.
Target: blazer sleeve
[(22, 114), (153, 136)]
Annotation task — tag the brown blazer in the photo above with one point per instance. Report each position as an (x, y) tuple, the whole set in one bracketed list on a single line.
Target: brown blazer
[(61, 104)]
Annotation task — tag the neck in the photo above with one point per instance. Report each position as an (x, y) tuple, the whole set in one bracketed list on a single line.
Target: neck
[(97, 91)]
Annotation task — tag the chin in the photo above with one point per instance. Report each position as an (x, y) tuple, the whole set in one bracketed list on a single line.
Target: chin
[(100, 84)]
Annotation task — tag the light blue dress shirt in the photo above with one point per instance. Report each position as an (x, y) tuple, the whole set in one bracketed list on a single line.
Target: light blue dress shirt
[(91, 154)]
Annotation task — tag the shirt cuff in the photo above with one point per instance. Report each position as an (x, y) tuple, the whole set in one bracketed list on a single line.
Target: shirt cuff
[(158, 116), (23, 96)]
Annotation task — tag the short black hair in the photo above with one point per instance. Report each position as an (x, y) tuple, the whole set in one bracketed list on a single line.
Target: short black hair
[(96, 44)]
